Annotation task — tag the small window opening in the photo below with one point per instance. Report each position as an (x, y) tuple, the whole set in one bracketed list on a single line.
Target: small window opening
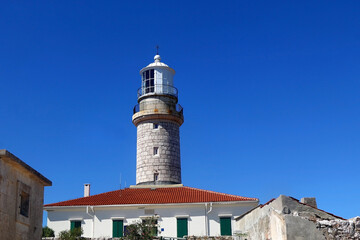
[(156, 125), (24, 204), (156, 176), (156, 150)]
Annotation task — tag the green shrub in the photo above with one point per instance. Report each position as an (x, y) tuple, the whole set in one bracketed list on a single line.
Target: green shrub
[(74, 234), (47, 232), (142, 230)]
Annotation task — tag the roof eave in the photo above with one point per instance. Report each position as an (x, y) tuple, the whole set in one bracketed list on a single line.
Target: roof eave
[(154, 204), (5, 153), (154, 67)]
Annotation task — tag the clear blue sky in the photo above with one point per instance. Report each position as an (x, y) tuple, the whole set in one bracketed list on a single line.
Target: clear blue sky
[(270, 91)]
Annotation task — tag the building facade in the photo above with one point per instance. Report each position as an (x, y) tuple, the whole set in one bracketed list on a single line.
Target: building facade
[(179, 211), (158, 193), (21, 199)]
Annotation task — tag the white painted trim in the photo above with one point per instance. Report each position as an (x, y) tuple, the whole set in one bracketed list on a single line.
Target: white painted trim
[(225, 215), (76, 219), (182, 216), (117, 218)]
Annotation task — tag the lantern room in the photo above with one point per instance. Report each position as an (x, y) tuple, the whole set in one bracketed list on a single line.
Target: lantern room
[(157, 79)]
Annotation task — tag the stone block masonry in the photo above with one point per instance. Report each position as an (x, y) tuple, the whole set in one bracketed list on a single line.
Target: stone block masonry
[(21, 199), (158, 153), (340, 229)]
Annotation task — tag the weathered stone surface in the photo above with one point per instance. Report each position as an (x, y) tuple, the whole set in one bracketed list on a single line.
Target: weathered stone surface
[(166, 163), (17, 179), (340, 229), (309, 201), (286, 218)]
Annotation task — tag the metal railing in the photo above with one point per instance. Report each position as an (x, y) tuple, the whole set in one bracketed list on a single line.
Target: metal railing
[(158, 89)]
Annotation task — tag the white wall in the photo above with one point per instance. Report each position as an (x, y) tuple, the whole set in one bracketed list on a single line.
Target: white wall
[(225, 210), (60, 220)]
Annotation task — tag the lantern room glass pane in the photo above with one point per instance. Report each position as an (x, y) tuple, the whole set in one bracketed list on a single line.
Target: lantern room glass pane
[(148, 81)]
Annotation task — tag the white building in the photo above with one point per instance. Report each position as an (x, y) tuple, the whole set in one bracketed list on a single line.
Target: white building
[(158, 192), (179, 210)]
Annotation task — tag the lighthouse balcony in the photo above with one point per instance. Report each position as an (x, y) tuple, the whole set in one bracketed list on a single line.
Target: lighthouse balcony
[(156, 110), (155, 107), (157, 89)]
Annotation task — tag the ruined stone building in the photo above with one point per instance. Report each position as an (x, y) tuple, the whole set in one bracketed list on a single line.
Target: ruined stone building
[(21, 199), (287, 218), (159, 193)]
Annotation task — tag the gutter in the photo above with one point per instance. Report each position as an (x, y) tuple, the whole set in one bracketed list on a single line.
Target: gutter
[(207, 226), (93, 218)]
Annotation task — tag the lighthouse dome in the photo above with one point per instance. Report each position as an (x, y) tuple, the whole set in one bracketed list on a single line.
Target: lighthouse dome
[(157, 64)]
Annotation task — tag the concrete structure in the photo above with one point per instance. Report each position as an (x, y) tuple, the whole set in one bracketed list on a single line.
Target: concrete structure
[(286, 218), (158, 118), (21, 199), (158, 191)]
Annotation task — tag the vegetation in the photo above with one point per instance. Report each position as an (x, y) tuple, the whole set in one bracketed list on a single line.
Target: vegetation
[(47, 232), (142, 230), (74, 234)]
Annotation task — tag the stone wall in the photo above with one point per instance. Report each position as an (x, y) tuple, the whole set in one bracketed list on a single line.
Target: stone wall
[(166, 163), (340, 229), (286, 218), (20, 186)]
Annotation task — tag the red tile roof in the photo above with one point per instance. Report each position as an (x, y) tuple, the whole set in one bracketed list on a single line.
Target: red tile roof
[(152, 196)]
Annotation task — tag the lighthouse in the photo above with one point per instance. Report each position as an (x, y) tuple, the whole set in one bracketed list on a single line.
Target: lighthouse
[(159, 192), (158, 118)]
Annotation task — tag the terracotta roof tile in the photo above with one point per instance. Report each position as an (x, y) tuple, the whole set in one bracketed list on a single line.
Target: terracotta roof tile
[(152, 196)]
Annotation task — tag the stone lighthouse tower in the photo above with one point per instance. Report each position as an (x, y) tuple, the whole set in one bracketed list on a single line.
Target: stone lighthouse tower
[(158, 118)]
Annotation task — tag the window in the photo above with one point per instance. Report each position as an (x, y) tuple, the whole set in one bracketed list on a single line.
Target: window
[(156, 126), (225, 226), (118, 228), (156, 150), (148, 81), (75, 224), (182, 227), (156, 176), (24, 204)]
